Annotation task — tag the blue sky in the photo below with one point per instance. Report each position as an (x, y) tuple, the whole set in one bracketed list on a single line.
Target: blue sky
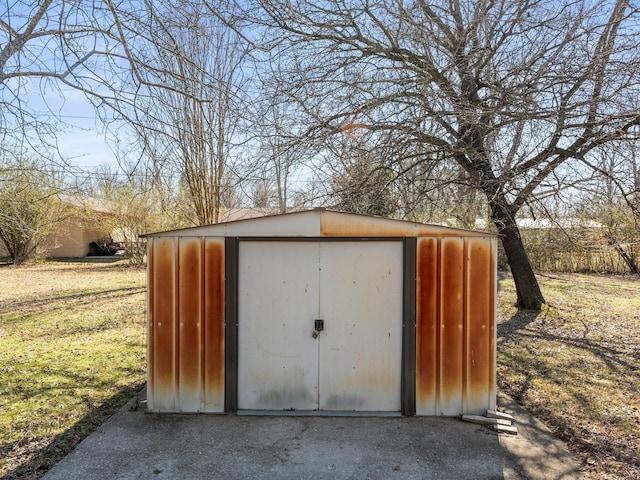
[(79, 135), (81, 139)]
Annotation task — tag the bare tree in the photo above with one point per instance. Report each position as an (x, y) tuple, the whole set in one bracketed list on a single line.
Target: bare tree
[(30, 205), (280, 154), (189, 112), (613, 199), (277, 125), (131, 207), (512, 91), (49, 48)]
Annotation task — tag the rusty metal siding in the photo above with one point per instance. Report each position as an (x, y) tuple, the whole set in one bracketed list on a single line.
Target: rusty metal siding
[(334, 224), (480, 331), (427, 326), (455, 330), (451, 325), (162, 371), (189, 333), (186, 324), (214, 322)]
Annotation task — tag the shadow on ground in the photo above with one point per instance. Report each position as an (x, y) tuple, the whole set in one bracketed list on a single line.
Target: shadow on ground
[(35, 456)]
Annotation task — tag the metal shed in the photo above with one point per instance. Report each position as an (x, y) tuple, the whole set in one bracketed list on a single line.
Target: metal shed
[(322, 311)]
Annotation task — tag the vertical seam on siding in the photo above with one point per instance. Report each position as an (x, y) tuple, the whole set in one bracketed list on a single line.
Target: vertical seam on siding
[(319, 316), (408, 365), (231, 272), (492, 319), (438, 332), (176, 324), (465, 324), (150, 326), (203, 298)]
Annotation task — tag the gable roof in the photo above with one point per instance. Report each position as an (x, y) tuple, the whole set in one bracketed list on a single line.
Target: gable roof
[(320, 222)]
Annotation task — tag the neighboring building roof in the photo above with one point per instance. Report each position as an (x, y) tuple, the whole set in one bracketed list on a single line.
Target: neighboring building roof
[(235, 214), (546, 223), (564, 223), (89, 203), (320, 223)]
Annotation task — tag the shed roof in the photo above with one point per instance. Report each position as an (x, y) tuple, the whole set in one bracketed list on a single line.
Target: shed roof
[(320, 222)]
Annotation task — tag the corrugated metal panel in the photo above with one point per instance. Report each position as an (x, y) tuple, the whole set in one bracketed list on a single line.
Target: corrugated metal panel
[(189, 333), (455, 327), (150, 322), (162, 283), (186, 324), (338, 224), (479, 334), (303, 224), (451, 325), (427, 326), (214, 292)]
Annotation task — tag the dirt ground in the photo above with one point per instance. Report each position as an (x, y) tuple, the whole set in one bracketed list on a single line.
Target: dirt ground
[(576, 365)]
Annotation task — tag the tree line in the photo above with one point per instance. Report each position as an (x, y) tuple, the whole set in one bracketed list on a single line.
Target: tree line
[(437, 110)]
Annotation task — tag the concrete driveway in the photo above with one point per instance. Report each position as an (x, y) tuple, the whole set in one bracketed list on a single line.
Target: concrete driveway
[(134, 444)]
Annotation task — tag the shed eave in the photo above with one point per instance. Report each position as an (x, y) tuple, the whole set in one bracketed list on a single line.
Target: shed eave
[(320, 223)]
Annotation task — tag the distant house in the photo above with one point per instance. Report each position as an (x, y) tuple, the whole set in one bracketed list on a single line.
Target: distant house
[(91, 221), (559, 223), (71, 237)]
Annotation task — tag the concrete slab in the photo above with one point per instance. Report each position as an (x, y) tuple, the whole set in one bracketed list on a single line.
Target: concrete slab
[(540, 455), (134, 444)]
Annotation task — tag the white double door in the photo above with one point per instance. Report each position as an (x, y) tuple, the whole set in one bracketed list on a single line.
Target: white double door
[(354, 363)]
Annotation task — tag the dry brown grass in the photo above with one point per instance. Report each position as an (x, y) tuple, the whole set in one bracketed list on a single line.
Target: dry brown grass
[(576, 366)]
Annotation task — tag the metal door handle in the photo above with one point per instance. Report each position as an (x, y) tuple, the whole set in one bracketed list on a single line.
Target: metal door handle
[(318, 327)]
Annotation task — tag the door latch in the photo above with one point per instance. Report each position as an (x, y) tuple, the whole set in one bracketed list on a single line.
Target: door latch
[(318, 327)]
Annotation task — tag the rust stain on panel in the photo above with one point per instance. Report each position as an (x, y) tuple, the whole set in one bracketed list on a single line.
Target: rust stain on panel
[(163, 285), (355, 226), (451, 325), (214, 290), (345, 225), (426, 325), (189, 322), (480, 357)]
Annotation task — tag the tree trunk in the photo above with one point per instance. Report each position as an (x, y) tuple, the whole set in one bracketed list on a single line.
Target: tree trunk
[(631, 263), (527, 288)]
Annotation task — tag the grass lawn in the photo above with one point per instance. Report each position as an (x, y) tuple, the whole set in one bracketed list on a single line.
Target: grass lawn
[(576, 366), (72, 352)]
